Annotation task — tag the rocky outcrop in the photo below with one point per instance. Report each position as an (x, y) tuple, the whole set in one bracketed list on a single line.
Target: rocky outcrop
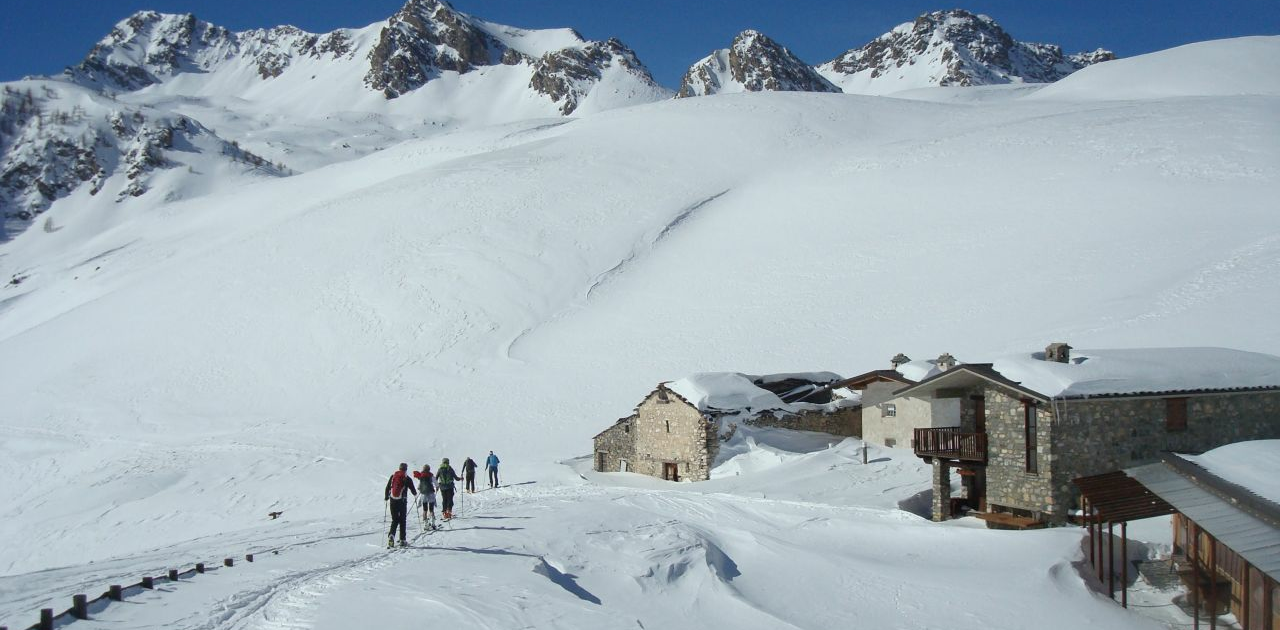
[(953, 48), (753, 63), (422, 39), (50, 148), (566, 76)]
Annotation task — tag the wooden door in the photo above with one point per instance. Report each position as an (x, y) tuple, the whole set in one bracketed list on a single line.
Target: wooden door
[(600, 461), (670, 472)]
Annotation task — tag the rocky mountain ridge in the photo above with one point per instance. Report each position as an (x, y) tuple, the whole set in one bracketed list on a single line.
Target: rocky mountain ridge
[(951, 48), (752, 63), (283, 96)]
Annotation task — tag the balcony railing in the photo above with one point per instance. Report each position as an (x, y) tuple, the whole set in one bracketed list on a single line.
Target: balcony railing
[(950, 443)]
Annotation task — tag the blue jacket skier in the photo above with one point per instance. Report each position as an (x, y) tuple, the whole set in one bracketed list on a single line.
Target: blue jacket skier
[(491, 464)]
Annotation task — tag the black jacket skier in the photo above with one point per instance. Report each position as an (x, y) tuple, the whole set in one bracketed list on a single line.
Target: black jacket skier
[(397, 493), (469, 474)]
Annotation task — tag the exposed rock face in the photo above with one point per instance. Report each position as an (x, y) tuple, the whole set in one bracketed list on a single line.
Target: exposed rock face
[(567, 75), (422, 39), (150, 47), (50, 148), (955, 47), (427, 37), (753, 63)]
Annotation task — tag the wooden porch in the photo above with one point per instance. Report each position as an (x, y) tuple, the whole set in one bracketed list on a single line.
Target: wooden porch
[(950, 443)]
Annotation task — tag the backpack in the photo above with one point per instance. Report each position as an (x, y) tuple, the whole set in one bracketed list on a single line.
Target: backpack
[(445, 476), (397, 485)]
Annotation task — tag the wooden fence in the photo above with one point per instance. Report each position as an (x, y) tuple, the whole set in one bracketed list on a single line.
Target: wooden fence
[(81, 605)]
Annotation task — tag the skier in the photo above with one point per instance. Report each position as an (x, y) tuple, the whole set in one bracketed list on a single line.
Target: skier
[(397, 495), (445, 478), (469, 473), (491, 464), (427, 490)]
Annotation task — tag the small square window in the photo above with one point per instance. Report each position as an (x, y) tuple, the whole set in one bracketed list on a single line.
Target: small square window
[(888, 410)]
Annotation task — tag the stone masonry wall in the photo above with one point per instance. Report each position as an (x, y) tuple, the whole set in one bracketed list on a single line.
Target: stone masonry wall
[(1009, 485), (1102, 435), (845, 422), (673, 432), (661, 432), (1089, 437), (617, 443)]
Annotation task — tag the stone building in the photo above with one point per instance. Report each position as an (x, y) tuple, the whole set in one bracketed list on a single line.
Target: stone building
[(1028, 425), (666, 437), (675, 431)]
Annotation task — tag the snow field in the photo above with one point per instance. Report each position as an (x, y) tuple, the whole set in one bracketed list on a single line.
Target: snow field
[(602, 555), (170, 377)]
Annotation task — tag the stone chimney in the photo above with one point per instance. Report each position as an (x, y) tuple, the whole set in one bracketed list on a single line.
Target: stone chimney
[(1058, 352), (946, 361), (900, 360)]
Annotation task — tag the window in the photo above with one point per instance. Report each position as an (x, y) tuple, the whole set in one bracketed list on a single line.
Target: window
[(1175, 415), (668, 426), (662, 395), (1029, 429), (888, 410)]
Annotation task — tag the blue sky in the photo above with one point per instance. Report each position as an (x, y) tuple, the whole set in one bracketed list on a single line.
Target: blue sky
[(42, 37)]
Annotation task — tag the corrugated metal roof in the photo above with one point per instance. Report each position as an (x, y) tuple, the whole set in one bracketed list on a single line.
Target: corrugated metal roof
[(1254, 538)]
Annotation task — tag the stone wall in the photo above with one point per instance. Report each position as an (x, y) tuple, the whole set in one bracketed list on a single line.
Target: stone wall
[(1077, 438), (614, 446), (846, 422), (1102, 435), (669, 431), (1008, 483)]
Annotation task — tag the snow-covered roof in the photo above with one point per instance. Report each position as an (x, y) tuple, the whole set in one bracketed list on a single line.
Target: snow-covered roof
[(919, 370), (1254, 466), (725, 391), (1141, 370)]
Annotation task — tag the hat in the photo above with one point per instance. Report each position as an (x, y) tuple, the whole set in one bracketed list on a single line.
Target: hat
[(404, 466), (446, 460)]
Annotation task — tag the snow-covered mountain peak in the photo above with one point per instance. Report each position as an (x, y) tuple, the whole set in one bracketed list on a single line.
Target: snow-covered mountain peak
[(752, 63), (148, 47), (951, 48)]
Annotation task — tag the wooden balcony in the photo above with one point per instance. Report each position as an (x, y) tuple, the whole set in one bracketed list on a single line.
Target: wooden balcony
[(950, 443)]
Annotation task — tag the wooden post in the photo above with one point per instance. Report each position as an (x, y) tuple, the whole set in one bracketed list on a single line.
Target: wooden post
[(1213, 584), (46, 619), (248, 557), (199, 567), (80, 606), (1247, 597), (226, 562), (148, 582), (1086, 519), (1268, 622), (1124, 568), (115, 592), (173, 575), (1098, 567), (1111, 561), (1195, 577)]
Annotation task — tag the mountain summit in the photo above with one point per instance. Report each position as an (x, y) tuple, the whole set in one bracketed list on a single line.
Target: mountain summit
[(753, 63), (950, 48)]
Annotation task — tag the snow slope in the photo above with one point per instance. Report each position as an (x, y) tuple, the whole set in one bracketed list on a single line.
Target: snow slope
[(170, 379), (1225, 67)]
